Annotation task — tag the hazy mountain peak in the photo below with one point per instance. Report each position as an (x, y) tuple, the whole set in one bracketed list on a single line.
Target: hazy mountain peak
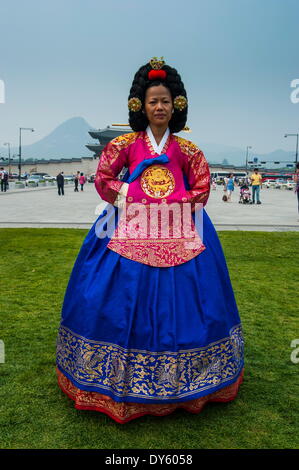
[(67, 140), (72, 125)]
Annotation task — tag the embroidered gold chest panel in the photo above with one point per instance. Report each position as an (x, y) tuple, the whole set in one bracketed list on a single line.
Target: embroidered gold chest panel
[(157, 181)]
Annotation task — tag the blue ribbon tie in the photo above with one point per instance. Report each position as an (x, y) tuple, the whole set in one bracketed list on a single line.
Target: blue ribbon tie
[(145, 163)]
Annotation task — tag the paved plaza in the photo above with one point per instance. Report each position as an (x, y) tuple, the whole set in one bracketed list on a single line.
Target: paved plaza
[(42, 207)]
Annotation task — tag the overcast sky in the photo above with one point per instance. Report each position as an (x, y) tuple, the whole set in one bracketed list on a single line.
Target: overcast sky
[(237, 58)]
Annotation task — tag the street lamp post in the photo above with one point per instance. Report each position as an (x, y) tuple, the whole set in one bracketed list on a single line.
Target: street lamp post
[(294, 135), (20, 147), (8, 144), (248, 147)]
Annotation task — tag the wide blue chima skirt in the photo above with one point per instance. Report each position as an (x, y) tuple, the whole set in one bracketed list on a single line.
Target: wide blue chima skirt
[(145, 334)]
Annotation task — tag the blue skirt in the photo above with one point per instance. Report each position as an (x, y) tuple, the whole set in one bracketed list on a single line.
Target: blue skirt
[(144, 334)]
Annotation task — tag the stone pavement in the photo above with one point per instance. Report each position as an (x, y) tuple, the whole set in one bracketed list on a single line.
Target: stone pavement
[(42, 207)]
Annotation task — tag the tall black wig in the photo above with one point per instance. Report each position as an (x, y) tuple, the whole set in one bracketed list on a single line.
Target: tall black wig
[(137, 119)]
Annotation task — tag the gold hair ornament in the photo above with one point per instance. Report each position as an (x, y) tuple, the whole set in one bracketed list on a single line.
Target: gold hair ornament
[(134, 104), (180, 103), (156, 63)]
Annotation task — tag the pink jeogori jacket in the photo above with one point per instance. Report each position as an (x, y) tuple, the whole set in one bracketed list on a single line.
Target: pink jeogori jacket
[(160, 184)]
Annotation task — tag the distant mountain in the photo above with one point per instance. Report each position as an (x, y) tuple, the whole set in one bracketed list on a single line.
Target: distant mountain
[(68, 140)]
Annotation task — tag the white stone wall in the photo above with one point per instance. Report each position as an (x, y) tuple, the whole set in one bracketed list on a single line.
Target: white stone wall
[(86, 166)]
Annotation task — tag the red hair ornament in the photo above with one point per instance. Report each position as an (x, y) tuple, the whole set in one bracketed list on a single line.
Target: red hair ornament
[(157, 74)]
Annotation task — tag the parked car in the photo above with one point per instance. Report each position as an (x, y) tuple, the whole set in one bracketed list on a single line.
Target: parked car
[(49, 177), (269, 183), (42, 175), (279, 183), (34, 179), (290, 184), (91, 178), (68, 178)]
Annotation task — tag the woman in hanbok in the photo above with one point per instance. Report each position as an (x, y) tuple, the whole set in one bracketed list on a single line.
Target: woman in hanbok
[(149, 320)]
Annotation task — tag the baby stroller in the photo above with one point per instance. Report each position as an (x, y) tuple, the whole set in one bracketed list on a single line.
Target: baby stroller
[(245, 196)]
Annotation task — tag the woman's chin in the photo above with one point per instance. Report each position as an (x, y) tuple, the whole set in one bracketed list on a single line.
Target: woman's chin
[(160, 122)]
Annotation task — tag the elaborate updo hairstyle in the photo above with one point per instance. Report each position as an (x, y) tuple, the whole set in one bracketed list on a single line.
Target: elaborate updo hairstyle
[(137, 118)]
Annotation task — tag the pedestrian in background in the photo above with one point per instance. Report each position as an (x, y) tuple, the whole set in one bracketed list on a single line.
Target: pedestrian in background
[(256, 184), (4, 179), (76, 180), (82, 181), (60, 183), (230, 186)]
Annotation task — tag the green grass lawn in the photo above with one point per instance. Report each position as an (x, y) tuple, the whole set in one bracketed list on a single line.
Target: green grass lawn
[(34, 270)]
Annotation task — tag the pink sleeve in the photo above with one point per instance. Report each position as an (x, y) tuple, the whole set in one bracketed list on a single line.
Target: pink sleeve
[(198, 174), (112, 160)]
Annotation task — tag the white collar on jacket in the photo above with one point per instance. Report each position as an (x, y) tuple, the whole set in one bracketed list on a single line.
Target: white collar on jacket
[(157, 148)]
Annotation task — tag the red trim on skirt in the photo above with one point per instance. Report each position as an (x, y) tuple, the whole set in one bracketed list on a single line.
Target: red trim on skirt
[(122, 412)]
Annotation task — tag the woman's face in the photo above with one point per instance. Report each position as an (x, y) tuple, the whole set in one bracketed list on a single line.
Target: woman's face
[(158, 106)]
